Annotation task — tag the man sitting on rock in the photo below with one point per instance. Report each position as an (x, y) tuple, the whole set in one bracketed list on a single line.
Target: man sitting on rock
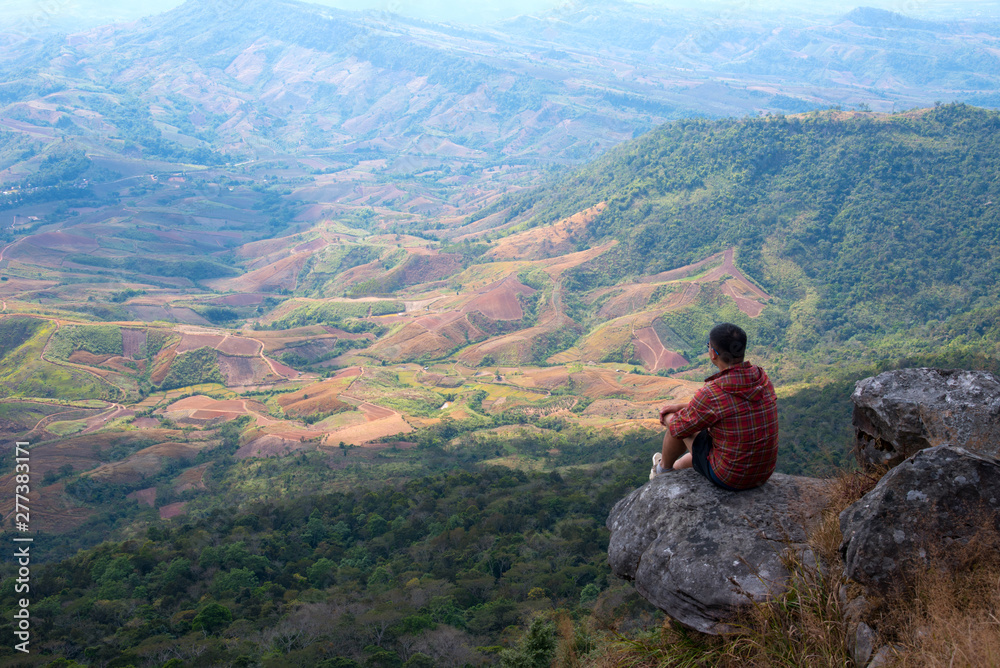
[(729, 430)]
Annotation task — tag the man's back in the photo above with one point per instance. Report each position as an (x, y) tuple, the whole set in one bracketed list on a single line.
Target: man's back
[(738, 406)]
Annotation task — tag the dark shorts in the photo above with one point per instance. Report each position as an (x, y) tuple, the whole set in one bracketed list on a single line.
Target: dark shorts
[(699, 459)]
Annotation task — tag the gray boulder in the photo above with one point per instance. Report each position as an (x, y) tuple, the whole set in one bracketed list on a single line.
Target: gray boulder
[(920, 509), (899, 413), (700, 553)]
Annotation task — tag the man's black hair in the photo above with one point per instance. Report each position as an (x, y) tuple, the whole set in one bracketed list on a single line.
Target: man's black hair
[(729, 341)]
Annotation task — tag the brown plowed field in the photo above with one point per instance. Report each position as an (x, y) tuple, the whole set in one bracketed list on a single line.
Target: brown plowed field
[(316, 398), (634, 298), (561, 264), (652, 353), (598, 383), (144, 463), (281, 274), (282, 369), (208, 416), (201, 402), (83, 357), (499, 300), (274, 340), (240, 345), (271, 445), (748, 297), (119, 365), (748, 304), (316, 348), (373, 412), (681, 272), (622, 409), (263, 248), (431, 335), (543, 242), (146, 496), (310, 246), (690, 294), (514, 348), (172, 510), (422, 268), (242, 371), (80, 452), (133, 342), (200, 409), (363, 433), (360, 274), (51, 508), (161, 364), (192, 478), (611, 336), (150, 312), (240, 299), (62, 241), (191, 342)]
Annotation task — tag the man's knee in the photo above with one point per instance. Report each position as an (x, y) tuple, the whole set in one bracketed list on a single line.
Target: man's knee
[(684, 462)]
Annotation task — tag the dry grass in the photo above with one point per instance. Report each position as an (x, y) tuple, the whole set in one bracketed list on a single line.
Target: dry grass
[(951, 616)]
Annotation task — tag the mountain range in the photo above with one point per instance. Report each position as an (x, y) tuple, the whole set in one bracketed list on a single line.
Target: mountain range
[(326, 315)]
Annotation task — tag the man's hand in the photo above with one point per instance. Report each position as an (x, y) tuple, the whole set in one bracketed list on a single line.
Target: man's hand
[(667, 410)]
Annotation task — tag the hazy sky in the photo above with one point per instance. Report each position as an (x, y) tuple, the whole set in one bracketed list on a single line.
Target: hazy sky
[(33, 15)]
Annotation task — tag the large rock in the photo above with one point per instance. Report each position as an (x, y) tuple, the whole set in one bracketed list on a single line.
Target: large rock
[(926, 506), (899, 413), (700, 553)]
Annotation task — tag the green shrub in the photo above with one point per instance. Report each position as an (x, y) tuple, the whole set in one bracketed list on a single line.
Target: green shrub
[(193, 368)]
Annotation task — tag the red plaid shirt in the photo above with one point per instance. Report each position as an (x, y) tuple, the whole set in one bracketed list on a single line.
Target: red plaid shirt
[(739, 408)]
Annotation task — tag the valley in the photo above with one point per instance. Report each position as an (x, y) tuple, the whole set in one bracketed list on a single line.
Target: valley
[(314, 315)]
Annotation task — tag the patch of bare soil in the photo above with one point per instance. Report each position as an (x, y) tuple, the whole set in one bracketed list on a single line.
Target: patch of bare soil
[(191, 341), (652, 353), (133, 342), (239, 345), (192, 478), (144, 463), (622, 409), (242, 371), (90, 359), (361, 434), (272, 445), (51, 508), (317, 398), (161, 364), (172, 510), (498, 301), (146, 496)]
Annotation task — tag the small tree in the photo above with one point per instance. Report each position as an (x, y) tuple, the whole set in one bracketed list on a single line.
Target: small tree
[(537, 648), (212, 619)]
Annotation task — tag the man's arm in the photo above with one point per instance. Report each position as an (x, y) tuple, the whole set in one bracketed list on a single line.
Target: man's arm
[(693, 417), (668, 409)]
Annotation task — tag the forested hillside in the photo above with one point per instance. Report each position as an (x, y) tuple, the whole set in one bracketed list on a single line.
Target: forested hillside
[(441, 569), (861, 226)]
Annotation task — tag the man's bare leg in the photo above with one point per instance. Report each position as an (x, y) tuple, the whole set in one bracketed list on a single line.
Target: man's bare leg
[(676, 452), (684, 462)]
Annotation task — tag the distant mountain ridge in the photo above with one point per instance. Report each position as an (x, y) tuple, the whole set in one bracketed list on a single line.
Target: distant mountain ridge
[(558, 86), (882, 18)]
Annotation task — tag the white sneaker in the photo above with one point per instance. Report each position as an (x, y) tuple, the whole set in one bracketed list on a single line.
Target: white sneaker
[(657, 458)]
